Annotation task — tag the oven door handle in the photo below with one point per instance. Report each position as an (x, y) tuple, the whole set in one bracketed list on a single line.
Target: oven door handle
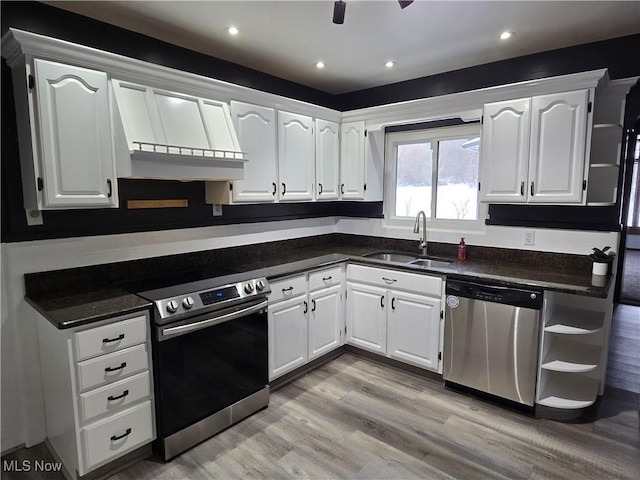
[(166, 333)]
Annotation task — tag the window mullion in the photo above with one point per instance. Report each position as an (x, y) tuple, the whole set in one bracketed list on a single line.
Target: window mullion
[(434, 177)]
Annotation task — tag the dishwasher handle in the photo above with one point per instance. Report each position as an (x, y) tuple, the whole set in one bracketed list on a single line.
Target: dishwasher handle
[(515, 296)]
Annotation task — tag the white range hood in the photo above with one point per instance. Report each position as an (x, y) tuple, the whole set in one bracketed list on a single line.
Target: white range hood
[(167, 135)]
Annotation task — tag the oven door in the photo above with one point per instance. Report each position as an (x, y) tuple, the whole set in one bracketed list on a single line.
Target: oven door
[(208, 363)]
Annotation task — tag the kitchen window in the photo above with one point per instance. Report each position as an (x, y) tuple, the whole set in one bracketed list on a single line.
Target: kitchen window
[(435, 170)]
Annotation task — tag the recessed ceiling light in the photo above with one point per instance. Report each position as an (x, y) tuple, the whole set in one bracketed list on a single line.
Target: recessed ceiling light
[(390, 64), (233, 31), (320, 64), (506, 35)]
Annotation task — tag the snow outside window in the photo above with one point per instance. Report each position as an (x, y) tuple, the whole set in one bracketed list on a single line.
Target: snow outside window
[(435, 170)]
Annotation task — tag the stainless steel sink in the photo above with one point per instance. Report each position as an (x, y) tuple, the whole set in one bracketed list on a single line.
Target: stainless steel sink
[(392, 256), (430, 262), (410, 259)]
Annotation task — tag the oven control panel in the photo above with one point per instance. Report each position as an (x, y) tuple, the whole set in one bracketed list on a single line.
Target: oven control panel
[(206, 299)]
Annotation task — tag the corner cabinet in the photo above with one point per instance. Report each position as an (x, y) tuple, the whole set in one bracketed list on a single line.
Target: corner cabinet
[(573, 352), (534, 149), (65, 137), (396, 314), (98, 392), (296, 156)]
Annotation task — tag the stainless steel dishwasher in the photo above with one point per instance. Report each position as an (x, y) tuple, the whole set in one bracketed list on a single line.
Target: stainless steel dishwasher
[(491, 339)]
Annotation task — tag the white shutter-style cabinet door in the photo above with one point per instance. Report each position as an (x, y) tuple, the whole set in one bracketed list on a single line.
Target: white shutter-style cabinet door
[(505, 151), (558, 142), (256, 129), (352, 161), (327, 160), (77, 159), (295, 156)]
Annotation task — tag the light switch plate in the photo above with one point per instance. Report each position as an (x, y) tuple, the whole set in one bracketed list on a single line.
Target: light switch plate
[(529, 237)]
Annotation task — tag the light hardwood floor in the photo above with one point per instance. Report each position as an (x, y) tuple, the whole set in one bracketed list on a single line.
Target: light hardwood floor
[(355, 418)]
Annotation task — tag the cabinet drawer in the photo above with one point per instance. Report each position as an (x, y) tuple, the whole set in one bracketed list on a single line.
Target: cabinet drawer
[(325, 278), (411, 282), (288, 288), (111, 337), (114, 397), (112, 367), (117, 435)]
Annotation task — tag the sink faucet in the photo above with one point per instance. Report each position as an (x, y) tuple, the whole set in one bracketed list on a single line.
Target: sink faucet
[(416, 229)]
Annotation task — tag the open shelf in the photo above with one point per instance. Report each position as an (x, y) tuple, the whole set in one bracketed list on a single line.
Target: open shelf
[(574, 321), (565, 354), (568, 391)]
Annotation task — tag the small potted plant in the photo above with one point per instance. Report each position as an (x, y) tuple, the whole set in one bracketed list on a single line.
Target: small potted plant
[(601, 260)]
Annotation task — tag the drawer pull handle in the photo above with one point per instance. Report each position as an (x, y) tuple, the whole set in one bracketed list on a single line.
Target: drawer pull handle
[(111, 340), (114, 369), (326, 279), (111, 398), (287, 289), (115, 438), (389, 280)]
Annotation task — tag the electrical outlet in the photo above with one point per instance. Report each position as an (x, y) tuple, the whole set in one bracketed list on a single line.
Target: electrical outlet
[(529, 237), (217, 210)]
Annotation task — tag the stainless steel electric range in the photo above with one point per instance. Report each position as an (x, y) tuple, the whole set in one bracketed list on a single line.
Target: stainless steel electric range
[(210, 353)]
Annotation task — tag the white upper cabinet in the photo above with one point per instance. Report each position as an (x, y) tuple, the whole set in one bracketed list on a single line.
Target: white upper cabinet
[(352, 161), (71, 108), (256, 129), (558, 142), (295, 156), (534, 149), (327, 160), (505, 151)]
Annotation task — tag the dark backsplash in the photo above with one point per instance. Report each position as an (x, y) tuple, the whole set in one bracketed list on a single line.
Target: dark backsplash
[(54, 282)]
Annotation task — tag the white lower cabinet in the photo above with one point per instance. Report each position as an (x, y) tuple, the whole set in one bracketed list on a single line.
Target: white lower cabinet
[(397, 314), (413, 329), (366, 317), (288, 329), (306, 318), (326, 321), (97, 388)]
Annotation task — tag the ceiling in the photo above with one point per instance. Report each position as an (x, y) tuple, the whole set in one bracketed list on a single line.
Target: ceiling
[(287, 38)]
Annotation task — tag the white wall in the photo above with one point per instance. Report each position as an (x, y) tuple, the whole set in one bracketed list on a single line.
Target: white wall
[(546, 240), (22, 402)]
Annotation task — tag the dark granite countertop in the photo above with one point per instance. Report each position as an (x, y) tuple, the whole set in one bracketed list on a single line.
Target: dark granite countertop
[(71, 298), (499, 273), (88, 306)]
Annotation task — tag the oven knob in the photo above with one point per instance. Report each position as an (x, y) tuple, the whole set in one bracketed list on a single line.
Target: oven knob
[(248, 288), (260, 285), (172, 306), (187, 302)]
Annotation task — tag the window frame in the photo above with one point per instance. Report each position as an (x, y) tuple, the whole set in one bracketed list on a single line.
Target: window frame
[(392, 140)]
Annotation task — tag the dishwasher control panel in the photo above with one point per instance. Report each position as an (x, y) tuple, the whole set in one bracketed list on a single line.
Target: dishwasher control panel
[(495, 294)]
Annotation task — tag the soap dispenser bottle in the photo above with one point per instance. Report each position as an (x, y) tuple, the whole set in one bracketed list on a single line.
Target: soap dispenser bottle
[(462, 250)]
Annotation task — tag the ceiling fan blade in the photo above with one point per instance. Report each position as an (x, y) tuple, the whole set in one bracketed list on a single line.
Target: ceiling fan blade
[(404, 4), (339, 8)]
